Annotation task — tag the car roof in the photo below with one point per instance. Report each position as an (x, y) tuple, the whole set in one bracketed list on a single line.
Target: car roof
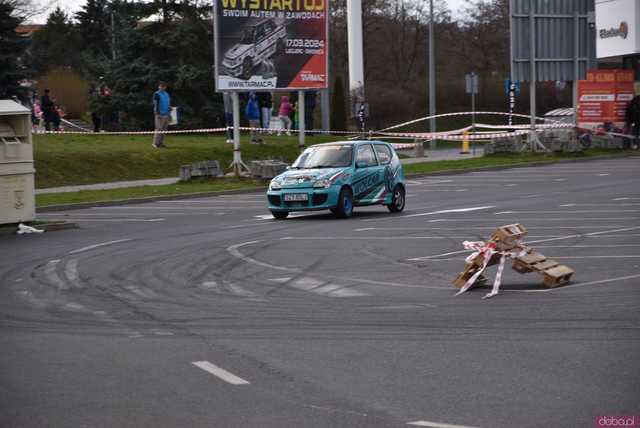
[(352, 142)]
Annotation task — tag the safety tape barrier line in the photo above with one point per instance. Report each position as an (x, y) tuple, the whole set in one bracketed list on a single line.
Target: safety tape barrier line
[(466, 113), (444, 135)]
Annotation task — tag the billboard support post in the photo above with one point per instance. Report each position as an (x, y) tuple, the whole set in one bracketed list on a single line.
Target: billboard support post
[(301, 120), (237, 165), (576, 65), (432, 77), (356, 62)]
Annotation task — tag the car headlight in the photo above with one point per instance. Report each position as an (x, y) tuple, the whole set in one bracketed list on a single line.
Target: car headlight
[(274, 185), (322, 184)]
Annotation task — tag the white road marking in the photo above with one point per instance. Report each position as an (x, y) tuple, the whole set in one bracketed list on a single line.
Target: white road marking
[(492, 227), (71, 272), (597, 257), (162, 333), (102, 244), (534, 219), (291, 215), (436, 425), (588, 246), (382, 238), (569, 212), (455, 210), (52, 275), (580, 284), (602, 175), (220, 373), (531, 242)]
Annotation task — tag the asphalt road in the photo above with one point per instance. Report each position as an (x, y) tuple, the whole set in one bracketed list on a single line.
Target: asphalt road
[(208, 313)]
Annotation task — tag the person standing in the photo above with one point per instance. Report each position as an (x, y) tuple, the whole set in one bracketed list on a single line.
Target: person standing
[(633, 120), (266, 105), (284, 112), (47, 110), (253, 116), (162, 112)]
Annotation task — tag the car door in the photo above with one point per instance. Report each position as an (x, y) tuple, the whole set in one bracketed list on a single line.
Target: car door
[(368, 175), (386, 158)]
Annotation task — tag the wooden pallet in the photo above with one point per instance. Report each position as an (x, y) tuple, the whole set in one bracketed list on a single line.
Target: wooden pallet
[(557, 276)]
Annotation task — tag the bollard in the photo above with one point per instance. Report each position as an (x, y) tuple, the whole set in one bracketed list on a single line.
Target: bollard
[(465, 144)]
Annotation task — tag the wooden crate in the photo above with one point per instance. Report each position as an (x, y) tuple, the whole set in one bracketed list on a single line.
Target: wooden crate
[(557, 275)]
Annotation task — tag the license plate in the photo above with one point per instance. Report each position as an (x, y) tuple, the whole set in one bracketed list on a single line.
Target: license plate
[(290, 197)]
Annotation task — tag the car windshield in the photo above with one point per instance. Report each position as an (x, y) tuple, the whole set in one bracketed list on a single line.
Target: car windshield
[(332, 156), (247, 36)]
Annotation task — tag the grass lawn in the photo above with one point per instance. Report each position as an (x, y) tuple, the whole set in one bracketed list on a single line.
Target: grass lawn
[(196, 186), (63, 160)]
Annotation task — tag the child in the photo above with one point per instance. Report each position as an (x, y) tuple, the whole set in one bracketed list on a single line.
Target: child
[(284, 112)]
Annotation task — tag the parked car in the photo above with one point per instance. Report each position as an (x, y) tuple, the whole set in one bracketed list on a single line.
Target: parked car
[(259, 42), (338, 176)]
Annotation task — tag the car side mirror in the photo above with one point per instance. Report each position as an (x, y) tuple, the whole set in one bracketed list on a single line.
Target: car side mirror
[(288, 167)]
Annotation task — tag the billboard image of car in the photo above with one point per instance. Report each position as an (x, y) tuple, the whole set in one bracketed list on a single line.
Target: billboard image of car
[(270, 45)]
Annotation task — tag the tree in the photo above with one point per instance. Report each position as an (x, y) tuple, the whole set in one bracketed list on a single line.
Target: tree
[(338, 112), (56, 44), (12, 49)]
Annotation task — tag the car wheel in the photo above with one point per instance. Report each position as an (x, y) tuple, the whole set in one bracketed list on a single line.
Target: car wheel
[(247, 68), (280, 215), (398, 200), (345, 203)]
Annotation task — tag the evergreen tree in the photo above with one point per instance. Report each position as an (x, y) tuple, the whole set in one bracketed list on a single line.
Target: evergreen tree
[(338, 106), (56, 44), (12, 49)]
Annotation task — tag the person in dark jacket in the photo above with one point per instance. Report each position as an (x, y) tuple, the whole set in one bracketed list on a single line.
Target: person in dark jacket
[(633, 119), (266, 106), (48, 108), (252, 112), (162, 112)]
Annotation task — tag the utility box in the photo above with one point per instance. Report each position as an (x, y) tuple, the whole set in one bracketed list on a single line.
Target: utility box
[(17, 195)]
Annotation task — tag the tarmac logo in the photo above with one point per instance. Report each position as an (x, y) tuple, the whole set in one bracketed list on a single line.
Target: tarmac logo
[(622, 31)]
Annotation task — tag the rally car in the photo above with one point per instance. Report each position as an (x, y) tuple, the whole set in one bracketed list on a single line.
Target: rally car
[(338, 176), (259, 42)]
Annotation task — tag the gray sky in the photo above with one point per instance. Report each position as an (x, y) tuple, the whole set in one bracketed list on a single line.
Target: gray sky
[(71, 6)]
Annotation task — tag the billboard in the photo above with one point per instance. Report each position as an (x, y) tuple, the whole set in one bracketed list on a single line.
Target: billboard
[(271, 44), (617, 24)]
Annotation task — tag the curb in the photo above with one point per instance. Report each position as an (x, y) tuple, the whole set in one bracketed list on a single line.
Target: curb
[(518, 165), (47, 227), (65, 207), (118, 202)]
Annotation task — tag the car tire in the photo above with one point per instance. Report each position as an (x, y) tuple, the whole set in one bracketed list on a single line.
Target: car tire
[(247, 68), (280, 215), (398, 200), (345, 203)]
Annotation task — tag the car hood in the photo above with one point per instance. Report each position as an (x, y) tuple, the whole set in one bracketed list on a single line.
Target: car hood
[(306, 177), (236, 51)]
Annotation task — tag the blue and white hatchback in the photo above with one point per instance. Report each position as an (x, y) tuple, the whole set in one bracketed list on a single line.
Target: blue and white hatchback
[(338, 176)]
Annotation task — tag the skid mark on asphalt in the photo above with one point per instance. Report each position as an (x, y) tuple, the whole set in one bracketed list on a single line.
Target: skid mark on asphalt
[(52, 275), (319, 287)]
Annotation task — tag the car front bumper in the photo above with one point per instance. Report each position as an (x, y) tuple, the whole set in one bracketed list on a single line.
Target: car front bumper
[(317, 199)]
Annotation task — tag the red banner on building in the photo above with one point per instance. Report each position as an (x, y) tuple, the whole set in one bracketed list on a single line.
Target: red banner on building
[(604, 96)]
